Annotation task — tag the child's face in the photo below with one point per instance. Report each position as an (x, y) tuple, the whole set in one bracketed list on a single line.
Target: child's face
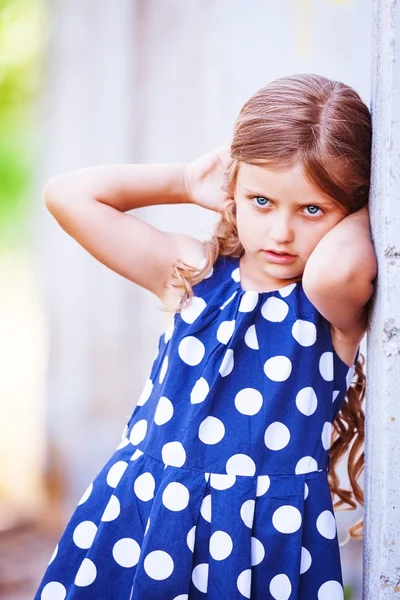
[(280, 211)]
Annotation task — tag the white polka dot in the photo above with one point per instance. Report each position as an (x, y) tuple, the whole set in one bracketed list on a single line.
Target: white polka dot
[(326, 524), (304, 332), (248, 302), (227, 363), (286, 519), (115, 473), (240, 464), (138, 432), (136, 454), (86, 494), (326, 435), (145, 395), (236, 275), (278, 368), (182, 597), (206, 476), (191, 350), (84, 534), (257, 552), (205, 508), (221, 545), (335, 394), (53, 591), (87, 573), (199, 391), (250, 338), (164, 411), (326, 366), (126, 552), (144, 487), (277, 436), (247, 512), (163, 369), (280, 587), (190, 538), (225, 331), (173, 454), (263, 483), (244, 583), (349, 377), (169, 331), (53, 555), (112, 510), (190, 313), (307, 464), (175, 496), (158, 565), (211, 430), (305, 560), (222, 482), (306, 401), (248, 401), (200, 577), (306, 490), (228, 301), (287, 290), (274, 309), (331, 590)]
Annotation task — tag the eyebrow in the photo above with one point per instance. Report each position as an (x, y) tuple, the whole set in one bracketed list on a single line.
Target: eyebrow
[(324, 202)]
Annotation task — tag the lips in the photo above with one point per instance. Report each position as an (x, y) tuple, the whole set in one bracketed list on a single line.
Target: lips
[(281, 258), (280, 253)]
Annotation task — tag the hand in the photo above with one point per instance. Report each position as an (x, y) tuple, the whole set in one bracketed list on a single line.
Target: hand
[(205, 178)]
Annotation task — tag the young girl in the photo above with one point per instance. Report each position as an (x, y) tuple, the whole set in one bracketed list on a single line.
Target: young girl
[(221, 487)]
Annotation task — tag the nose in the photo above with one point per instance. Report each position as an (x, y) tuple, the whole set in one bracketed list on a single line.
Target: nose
[(281, 229)]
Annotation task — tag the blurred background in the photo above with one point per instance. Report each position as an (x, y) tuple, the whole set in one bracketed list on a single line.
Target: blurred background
[(89, 82)]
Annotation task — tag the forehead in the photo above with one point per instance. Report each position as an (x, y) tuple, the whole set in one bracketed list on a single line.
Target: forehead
[(285, 185)]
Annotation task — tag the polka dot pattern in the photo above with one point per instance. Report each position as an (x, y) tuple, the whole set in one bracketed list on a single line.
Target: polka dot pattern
[(191, 350), (158, 565), (175, 496), (200, 577), (248, 401), (278, 368), (280, 587), (199, 391), (326, 525), (222, 461), (126, 552), (193, 310), (277, 436), (274, 309), (286, 519), (211, 430)]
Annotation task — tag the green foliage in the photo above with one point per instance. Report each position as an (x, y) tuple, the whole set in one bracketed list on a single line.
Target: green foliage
[(348, 593), (22, 38)]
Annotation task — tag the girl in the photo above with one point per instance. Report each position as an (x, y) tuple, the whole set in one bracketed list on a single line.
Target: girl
[(221, 486)]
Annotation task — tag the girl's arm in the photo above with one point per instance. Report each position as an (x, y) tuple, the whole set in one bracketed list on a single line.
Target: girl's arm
[(90, 204), (339, 273)]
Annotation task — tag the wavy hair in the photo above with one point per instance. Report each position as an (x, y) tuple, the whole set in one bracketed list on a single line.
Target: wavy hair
[(326, 127)]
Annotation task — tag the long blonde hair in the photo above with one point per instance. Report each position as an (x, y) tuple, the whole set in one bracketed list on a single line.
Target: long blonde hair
[(326, 127)]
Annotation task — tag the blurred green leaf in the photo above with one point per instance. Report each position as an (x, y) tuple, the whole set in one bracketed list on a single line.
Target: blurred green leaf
[(23, 35)]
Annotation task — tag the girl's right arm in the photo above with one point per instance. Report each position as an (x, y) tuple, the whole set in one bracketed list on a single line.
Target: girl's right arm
[(90, 205)]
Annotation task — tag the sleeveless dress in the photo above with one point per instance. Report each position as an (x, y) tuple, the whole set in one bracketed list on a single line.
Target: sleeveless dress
[(219, 487)]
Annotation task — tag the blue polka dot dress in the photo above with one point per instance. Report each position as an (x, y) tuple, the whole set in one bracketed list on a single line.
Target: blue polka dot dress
[(219, 487)]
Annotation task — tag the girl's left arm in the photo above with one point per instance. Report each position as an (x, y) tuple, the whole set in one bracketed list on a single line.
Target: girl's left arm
[(338, 275)]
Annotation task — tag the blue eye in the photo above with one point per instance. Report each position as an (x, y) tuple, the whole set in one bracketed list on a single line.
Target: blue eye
[(260, 200), (313, 210)]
